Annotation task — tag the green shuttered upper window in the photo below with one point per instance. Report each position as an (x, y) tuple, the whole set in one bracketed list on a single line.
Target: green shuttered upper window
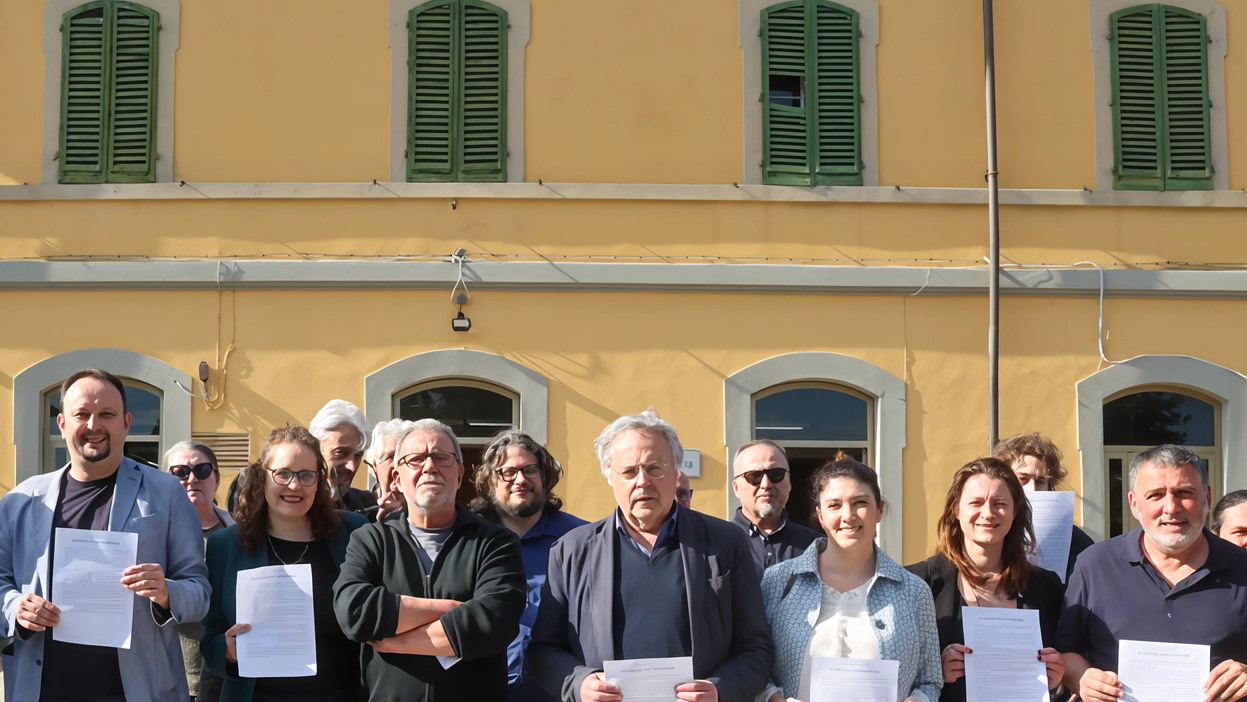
[(456, 111), (811, 116), (108, 94), (1161, 124)]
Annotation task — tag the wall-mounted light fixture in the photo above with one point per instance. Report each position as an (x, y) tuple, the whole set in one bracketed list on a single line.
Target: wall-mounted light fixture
[(461, 322)]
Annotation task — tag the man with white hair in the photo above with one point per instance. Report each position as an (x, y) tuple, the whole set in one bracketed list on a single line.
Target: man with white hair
[(652, 580), (436, 595), (380, 459), (343, 436), (1169, 579)]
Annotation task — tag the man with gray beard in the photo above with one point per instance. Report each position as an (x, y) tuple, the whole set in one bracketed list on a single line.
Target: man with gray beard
[(1169, 579), (515, 488), (762, 482)]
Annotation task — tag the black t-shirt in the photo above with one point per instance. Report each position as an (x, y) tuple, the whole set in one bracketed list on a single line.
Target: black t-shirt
[(73, 671), (337, 658)]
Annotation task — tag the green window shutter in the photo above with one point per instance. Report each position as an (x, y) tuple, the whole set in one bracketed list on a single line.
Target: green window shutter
[(837, 100), (457, 92), (1138, 121), (786, 138), (84, 101), (132, 80), (1188, 144), (482, 120), (432, 92)]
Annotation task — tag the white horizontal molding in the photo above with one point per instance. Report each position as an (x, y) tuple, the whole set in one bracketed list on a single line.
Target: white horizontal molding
[(583, 276), (619, 191)]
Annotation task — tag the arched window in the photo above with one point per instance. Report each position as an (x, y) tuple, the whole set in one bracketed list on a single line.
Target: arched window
[(1136, 420), (144, 443), (813, 422), (474, 410)]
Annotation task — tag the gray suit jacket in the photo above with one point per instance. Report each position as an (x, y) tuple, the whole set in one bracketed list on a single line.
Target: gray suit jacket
[(147, 502), (574, 633)]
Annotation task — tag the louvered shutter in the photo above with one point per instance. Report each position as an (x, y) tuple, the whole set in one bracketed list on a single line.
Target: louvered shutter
[(481, 127), (1188, 146), (432, 92), (84, 101), (132, 80), (837, 101), (1138, 119), (786, 135)]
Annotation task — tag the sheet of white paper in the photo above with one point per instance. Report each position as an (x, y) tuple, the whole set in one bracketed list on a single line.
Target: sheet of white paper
[(277, 602), (96, 609), (1162, 672), (1005, 664), (447, 661), (649, 679), (857, 679), (1052, 513)]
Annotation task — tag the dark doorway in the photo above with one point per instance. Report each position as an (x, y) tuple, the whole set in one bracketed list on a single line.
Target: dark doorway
[(803, 462)]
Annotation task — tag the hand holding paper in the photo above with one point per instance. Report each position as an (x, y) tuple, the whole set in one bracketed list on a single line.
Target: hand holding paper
[(649, 679), (96, 608), (1162, 672), (1004, 665), (277, 602)]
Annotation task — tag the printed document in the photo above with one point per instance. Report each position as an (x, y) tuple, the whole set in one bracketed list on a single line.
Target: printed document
[(857, 679), (1005, 665), (1162, 672), (277, 602), (649, 679), (96, 609), (1052, 513)]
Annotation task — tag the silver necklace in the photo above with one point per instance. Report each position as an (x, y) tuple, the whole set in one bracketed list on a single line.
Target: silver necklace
[(275, 553)]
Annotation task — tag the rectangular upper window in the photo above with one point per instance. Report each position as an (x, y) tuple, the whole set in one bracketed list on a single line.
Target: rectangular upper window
[(456, 111), (108, 94), (811, 119), (1161, 122)]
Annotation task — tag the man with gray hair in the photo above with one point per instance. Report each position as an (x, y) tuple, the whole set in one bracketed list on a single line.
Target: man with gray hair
[(380, 459), (441, 635), (343, 436), (762, 481), (652, 580), (1169, 579)]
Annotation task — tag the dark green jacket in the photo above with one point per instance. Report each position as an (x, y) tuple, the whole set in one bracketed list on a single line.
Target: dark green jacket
[(480, 564), (225, 558)]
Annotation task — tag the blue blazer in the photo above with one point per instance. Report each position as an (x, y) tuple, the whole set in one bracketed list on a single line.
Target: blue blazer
[(146, 502), (226, 557)]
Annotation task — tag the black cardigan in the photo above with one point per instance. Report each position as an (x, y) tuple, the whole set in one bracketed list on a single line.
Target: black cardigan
[(1043, 592)]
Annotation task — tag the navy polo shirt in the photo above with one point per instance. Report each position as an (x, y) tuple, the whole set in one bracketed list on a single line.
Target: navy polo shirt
[(1116, 594), (788, 541)]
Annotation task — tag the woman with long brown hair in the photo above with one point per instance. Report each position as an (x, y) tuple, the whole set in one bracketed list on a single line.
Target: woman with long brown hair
[(985, 536), (285, 516)]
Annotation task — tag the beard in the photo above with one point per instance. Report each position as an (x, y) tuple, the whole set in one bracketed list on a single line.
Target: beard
[(524, 509), (1175, 542), (95, 456), (766, 510)]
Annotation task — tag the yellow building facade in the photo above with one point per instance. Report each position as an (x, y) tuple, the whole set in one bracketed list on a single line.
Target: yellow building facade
[(628, 244)]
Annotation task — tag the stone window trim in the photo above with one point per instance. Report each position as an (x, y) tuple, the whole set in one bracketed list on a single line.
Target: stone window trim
[(1101, 56), (885, 389), (170, 12), (519, 18), (1218, 383), (751, 56), (30, 386)]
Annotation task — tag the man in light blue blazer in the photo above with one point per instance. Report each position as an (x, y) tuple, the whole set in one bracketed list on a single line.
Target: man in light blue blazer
[(99, 489)]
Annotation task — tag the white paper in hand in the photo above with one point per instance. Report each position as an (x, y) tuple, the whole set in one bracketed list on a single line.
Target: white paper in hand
[(96, 609), (1052, 514), (277, 602), (1162, 672), (1004, 665), (649, 679), (857, 679)]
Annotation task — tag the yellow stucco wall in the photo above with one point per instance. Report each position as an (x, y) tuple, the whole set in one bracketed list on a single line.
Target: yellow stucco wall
[(606, 354), (640, 91)]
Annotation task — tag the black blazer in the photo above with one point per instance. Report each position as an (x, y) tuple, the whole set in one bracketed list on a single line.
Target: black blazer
[(1043, 592)]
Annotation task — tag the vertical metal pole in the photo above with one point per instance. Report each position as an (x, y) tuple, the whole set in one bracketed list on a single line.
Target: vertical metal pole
[(993, 223)]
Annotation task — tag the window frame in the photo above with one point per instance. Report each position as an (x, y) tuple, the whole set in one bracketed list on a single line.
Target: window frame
[(868, 444), (468, 382)]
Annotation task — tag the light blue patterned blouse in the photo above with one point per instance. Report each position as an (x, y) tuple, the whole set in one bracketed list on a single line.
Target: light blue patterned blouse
[(899, 604)]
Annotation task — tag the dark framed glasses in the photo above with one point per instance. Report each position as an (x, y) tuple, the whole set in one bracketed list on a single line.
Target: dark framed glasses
[(775, 475), (508, 473), (306, 478), (199, 470), (441, 459)]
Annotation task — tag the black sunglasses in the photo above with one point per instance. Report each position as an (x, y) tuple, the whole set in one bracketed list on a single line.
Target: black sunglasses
[(775, 475), (201, 471)]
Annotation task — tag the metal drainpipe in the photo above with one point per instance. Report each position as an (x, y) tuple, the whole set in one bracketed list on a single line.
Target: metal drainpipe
[(993, 220)]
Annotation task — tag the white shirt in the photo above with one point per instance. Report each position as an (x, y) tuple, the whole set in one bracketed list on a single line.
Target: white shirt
[(843, 630)]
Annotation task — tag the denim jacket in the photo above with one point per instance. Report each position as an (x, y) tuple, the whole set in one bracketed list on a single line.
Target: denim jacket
[(899, 603)]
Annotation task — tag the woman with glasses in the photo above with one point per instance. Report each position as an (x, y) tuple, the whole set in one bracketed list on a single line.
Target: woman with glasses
[(985, 534), (845, 598), (285, 517), (196, 466)]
